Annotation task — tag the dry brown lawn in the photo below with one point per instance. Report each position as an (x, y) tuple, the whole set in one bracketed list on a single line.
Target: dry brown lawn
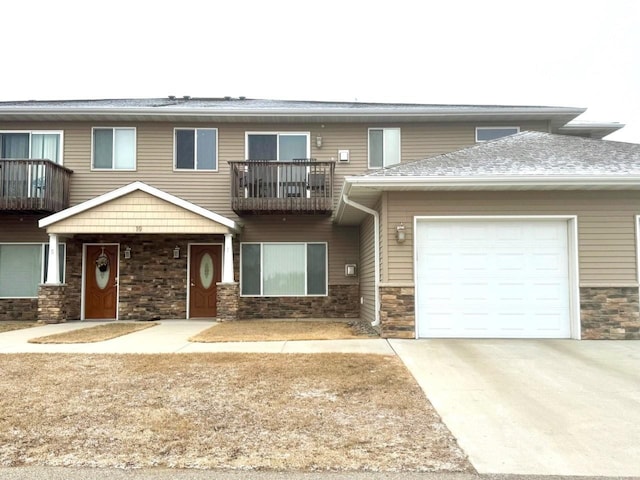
[(233, 411), (99, 333), (269, 330), (9, 326)]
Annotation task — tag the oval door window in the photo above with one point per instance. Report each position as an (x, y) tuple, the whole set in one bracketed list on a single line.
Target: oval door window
[(102, 278), (206, 271)]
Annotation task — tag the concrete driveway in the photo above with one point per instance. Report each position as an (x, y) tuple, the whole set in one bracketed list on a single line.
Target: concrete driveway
[(551, 407)]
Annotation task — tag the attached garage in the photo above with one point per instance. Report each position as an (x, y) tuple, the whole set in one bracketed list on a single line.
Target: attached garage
[(494, 277)]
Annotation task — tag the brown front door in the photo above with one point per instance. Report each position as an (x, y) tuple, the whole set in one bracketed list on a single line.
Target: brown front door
[(205, 271), (101, 289)]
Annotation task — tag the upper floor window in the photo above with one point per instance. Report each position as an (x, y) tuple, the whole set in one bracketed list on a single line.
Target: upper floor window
[(114, 148), (196, 148), (484, 134), (284, 146), (384, 147), (36, 145)]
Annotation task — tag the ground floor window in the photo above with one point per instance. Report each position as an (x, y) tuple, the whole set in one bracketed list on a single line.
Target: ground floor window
[(23, 266), (283, 269)]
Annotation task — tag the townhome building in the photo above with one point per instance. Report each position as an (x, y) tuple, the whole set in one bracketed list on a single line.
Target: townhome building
[(425, 220)]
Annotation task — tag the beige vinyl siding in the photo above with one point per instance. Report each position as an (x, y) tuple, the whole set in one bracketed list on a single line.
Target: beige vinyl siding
[(366, 269), (606, 226), (383, 211), (154, 153), (137, 213), (426, 140), (342, 242), (21, 228)]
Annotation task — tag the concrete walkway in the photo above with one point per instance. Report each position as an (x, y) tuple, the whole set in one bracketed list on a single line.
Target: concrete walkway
[(550, 407), (171, 336)]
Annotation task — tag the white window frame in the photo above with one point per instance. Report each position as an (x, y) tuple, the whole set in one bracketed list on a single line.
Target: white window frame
[(195, 160), (43, 132), (112, 169), (43, 272), (517, 130), (277, 134), (384, 165), (326, 269)]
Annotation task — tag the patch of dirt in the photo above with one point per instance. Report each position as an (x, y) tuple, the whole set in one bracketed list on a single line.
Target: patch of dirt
[(270, 330), (210, 411), (9, 326), (99, 333)]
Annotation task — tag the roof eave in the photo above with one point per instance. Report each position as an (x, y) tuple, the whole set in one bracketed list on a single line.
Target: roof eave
[(593, 130), (557, 115), (502, 182)]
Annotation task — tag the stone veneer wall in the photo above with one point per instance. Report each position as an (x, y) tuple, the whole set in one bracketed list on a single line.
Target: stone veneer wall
[(73, 278), (52, 304), (16, 309), (153, 284), (228, 301), (610, 313), (342, 302), (397, 312)]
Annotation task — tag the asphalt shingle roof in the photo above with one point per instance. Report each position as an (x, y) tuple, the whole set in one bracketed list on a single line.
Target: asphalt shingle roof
[(241, 103), (527, 154)]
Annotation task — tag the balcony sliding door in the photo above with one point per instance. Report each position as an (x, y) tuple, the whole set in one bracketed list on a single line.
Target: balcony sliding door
[(278, 180), (29, 180)]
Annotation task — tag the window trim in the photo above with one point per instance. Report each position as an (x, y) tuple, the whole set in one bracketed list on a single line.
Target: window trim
[(262, 295), (369, 149), (195, 160), (43, 273), (135, 150), (517, 130), (277, 134), (45, 132)]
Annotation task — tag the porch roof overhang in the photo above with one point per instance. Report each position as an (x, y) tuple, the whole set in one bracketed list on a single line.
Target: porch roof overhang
[(137, 208)]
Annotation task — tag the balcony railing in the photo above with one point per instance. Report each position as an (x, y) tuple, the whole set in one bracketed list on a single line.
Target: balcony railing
[(33, 185), (299, 186)]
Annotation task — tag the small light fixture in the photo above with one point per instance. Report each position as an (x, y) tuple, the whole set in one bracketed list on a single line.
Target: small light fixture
[(176, 252), (127, 251), (319, 141), (400, 235)]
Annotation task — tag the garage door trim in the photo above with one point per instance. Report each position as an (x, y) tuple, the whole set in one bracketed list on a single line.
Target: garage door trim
[(572, 255)]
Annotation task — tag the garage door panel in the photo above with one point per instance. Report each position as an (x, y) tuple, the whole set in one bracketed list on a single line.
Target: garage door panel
[(492, 278), (510, 261), (549, 262)]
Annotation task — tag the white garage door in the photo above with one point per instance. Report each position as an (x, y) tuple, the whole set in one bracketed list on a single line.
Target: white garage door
[(492, 278)]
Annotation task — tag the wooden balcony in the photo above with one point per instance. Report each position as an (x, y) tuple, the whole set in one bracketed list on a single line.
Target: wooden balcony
[(302, 186), (33, 186)]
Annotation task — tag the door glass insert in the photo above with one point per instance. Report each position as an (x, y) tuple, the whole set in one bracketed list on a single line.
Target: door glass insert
[(206, 271), (102, 270), (102, 276)]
